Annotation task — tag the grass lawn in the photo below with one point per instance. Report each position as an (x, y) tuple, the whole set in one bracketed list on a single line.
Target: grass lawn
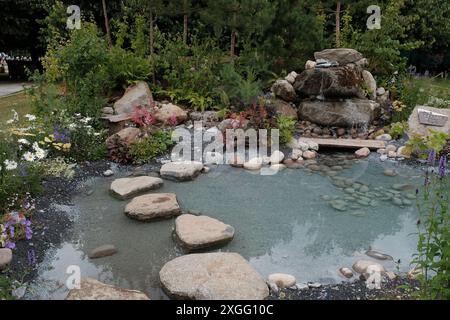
[(439, 88), (18, 101)]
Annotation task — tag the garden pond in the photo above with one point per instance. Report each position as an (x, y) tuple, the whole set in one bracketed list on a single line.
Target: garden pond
[(306, 222)]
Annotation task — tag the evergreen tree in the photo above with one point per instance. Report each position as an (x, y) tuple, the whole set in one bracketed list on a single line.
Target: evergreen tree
[(293, 36), (244, 18), (183, 8)]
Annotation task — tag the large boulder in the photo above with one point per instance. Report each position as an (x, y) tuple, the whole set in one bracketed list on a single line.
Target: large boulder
[(166, 112), (340, 113), (136, 95), (284, 90), (126, 188), (181, 170), (278, 107), (126, 136), (197, 232), (343, 56), (91, 289), (153, 206), (416, 127), (212, 276), (344, 82)]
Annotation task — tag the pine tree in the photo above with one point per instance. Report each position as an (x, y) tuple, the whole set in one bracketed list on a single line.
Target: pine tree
[(183, 8), (293, 36), (241, 18)]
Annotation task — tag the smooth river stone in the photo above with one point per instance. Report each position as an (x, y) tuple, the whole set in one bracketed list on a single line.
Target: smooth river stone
[(362, 266), (282, 280), (5, 257), (153, 206), (91, 289), (197, 232), (126, 188), (103, 251), (212, 276)]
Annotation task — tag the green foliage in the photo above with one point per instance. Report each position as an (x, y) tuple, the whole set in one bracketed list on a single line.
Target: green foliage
[(433, 257), (148, 148), (6, 287), (398, 129), (286, 125), (237, 89), (139, 43), (383, 47), (420, 145)]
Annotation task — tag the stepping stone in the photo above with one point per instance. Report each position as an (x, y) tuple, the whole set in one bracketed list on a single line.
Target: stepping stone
[(126, 188), (103, 251), (181, 170), (5, 258), (91, 289), (212, 276), (153, 206), (197, 232)]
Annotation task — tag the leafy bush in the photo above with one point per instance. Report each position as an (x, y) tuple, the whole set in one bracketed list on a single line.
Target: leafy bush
[(398, 129), (236, 89), (148, 148), (421, 145), (286, 125)]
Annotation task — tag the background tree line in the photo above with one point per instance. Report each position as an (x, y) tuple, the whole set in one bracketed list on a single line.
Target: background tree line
[(284, 32)]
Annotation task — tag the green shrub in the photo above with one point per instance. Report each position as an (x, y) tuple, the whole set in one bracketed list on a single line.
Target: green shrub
[(421, 145), (398, 129), (148, 148), (286, 125)]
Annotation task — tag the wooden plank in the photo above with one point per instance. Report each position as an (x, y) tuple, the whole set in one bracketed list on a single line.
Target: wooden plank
[(348, 143)]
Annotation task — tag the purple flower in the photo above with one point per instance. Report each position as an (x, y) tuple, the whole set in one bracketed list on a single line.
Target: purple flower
[(10, 245), (28, 233), (442, 165), (31, 255), (11, 231), (432, 157)]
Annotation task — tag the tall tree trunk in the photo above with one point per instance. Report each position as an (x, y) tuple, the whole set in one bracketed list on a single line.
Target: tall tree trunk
[(185, 21), (233, 37), (152, 49), (108, 32), (233, 44), (185, 29), (338, 24)]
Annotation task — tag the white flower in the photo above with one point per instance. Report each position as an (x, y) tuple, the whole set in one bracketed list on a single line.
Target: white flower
[(28, 156), (9, 121), (15, 115), (23, 141), (97, 134), (36, 146), (30, 117), (85, 120), (40, 154), (10, 165)]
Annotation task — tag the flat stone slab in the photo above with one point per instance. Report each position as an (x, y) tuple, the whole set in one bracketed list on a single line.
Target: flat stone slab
[(126, 188), (181, 170), (153, 206), (212, 276), (5, 258), (103, 251), (197, 232), (91, 289), (349, 143)]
